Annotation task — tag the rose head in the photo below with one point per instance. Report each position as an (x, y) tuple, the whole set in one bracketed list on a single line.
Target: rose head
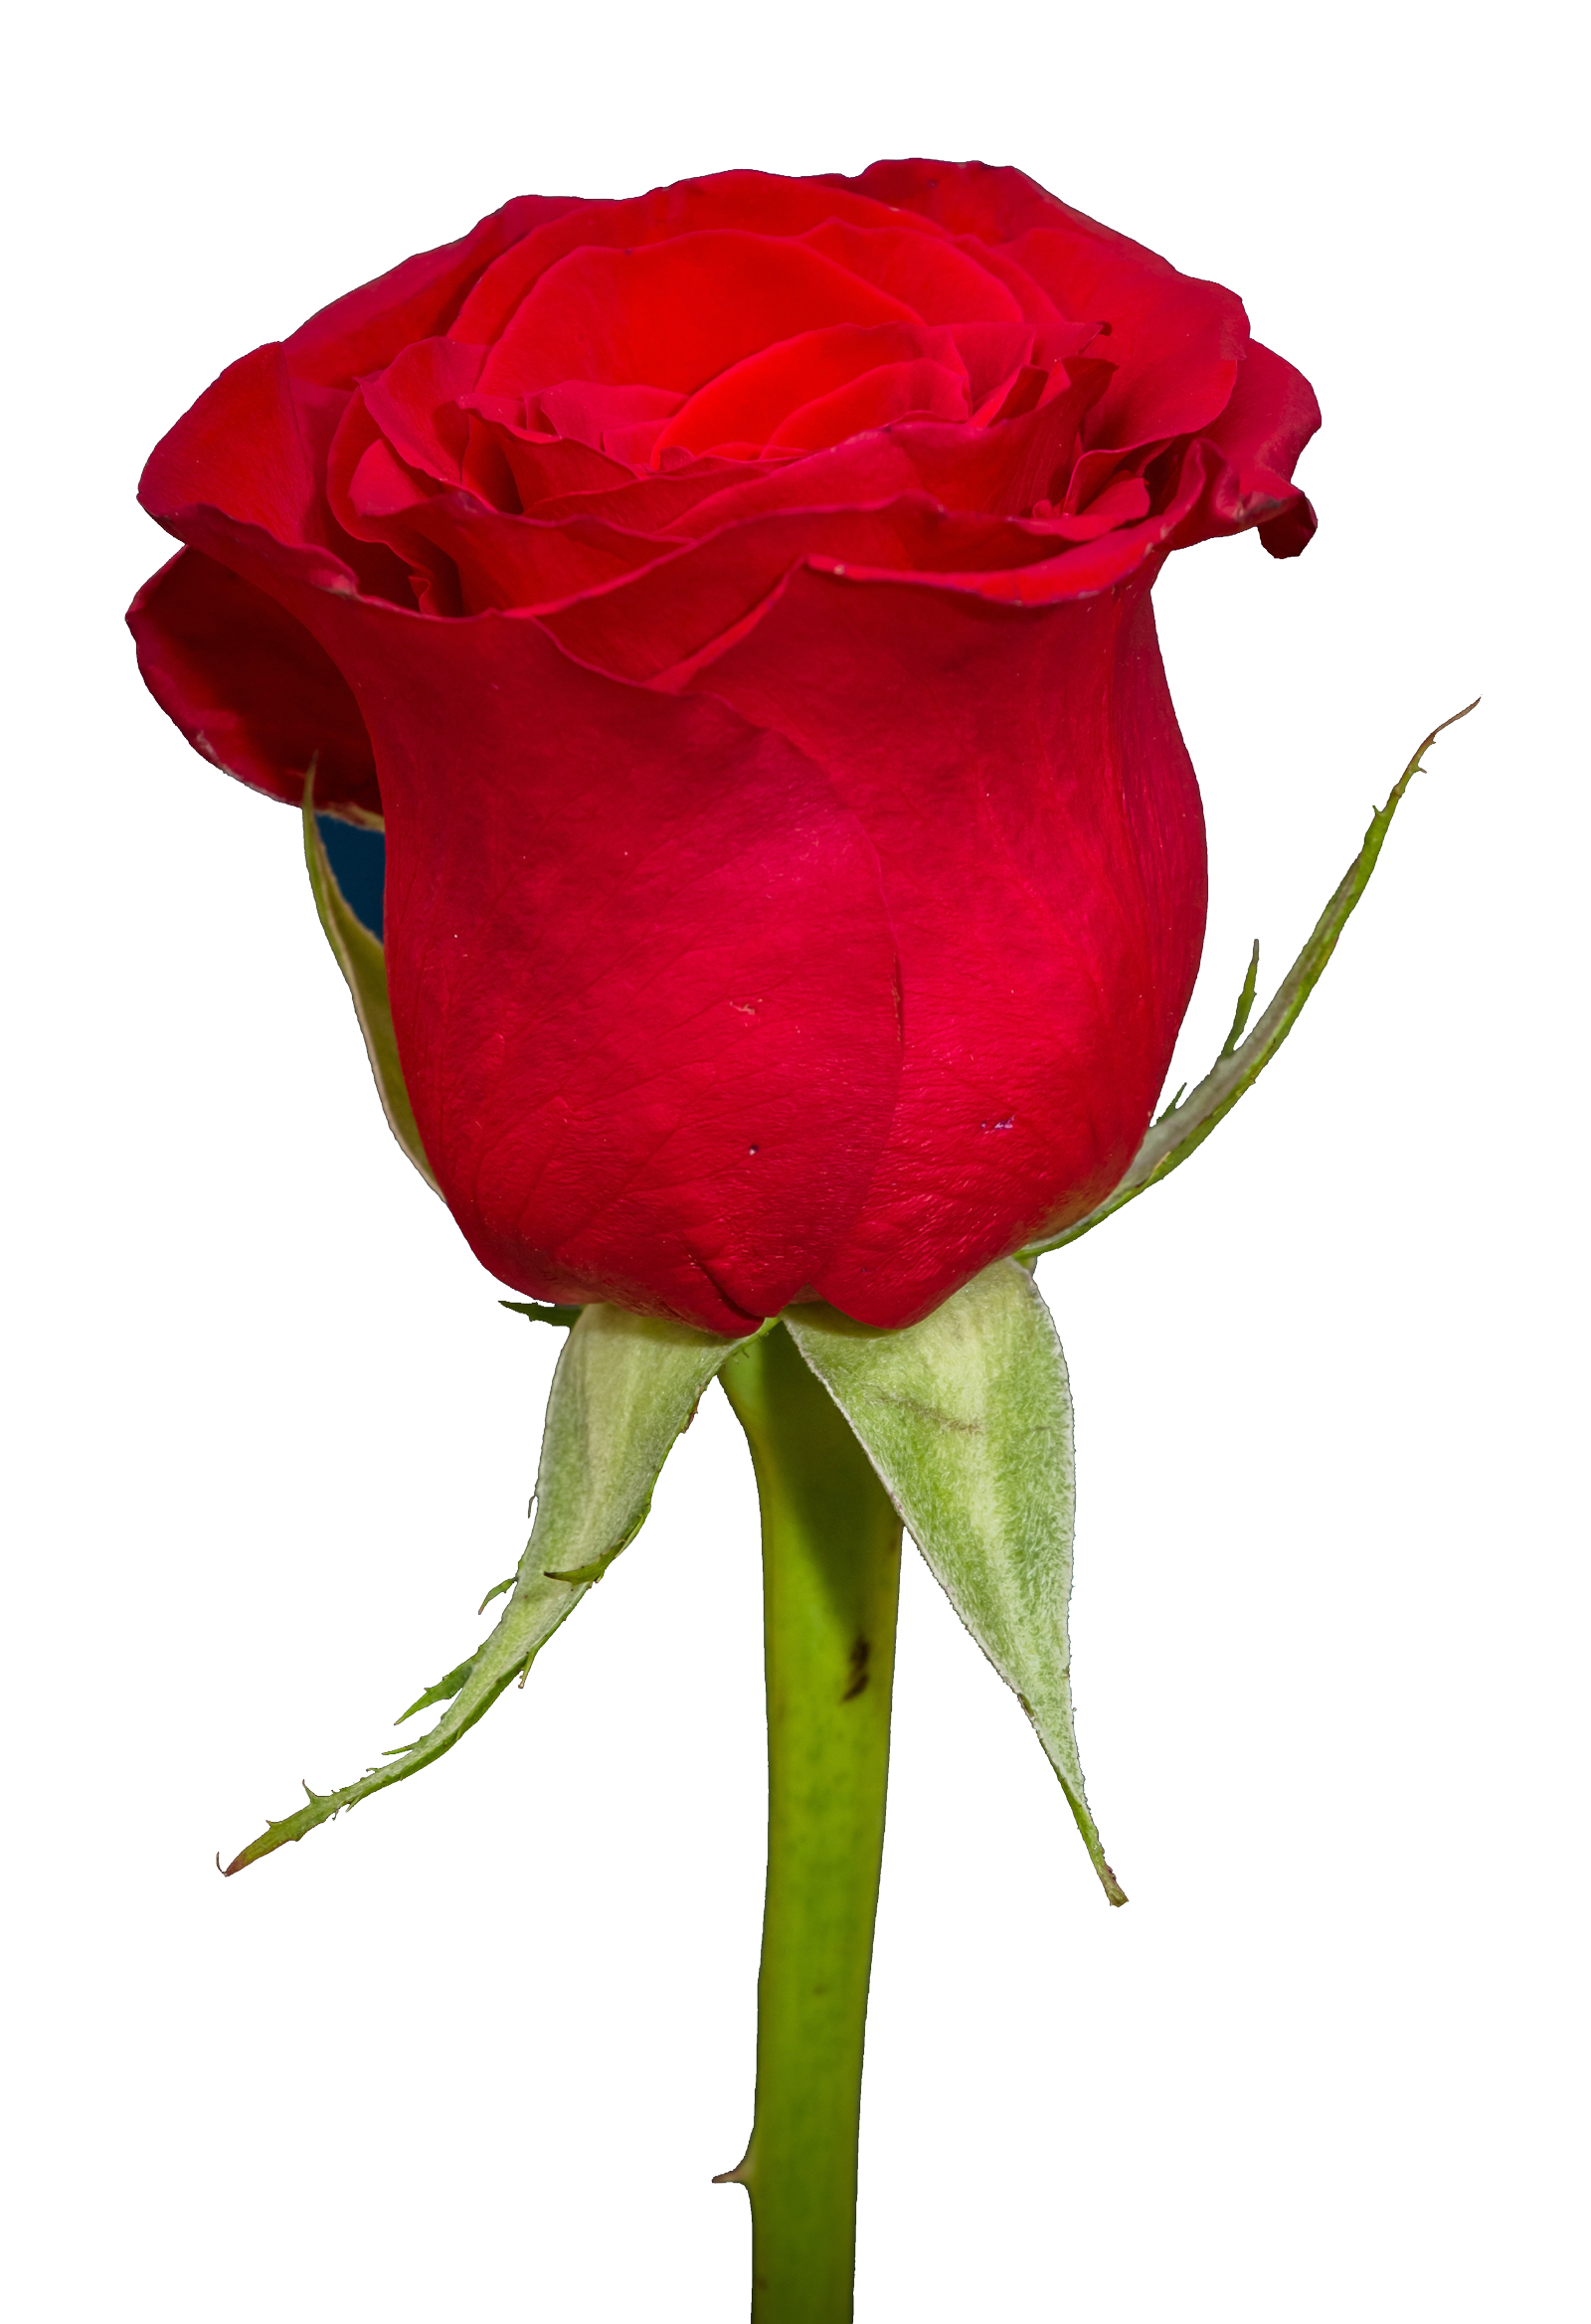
[(735, 603)]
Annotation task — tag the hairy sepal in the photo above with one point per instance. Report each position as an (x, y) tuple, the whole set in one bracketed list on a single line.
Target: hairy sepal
[(1188, 1120), (362, 959), (625, 1387), (967, 1417)]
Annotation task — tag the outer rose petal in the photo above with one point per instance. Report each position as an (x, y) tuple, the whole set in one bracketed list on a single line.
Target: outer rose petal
[(249, 686), (1270, 418), (1038, 824), (1270, 415), (364, 330), (1176, 341), (641, 971), (513, 562), (1290, 533), (644, 627), (240, 449), (969, 198)]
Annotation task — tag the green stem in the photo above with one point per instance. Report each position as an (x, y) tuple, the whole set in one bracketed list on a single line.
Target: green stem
[(831, 1564)]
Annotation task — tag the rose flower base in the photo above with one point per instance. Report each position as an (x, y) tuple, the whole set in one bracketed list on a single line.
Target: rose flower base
[(709, 640)]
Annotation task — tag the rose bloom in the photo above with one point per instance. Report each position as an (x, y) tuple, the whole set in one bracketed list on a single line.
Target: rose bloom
[(733, 604)]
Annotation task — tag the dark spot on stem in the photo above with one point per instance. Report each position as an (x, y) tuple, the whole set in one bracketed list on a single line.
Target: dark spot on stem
[(860, 1653)]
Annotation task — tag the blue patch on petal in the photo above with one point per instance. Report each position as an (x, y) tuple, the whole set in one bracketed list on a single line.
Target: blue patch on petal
[(358, 859)]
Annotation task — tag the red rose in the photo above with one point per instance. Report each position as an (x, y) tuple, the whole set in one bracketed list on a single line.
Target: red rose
[(736, 602)]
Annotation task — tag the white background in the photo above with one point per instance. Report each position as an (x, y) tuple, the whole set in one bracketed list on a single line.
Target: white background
[(484, 2043)]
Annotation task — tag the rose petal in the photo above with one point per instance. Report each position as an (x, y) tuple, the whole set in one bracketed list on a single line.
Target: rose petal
[(589, 410), (748, 200), (1176, 339), (415, 404), (504, 561), (991, 353), (1004, 468), (646, 627), (1038, 828), (654, 504), (1035, 304), (1291, 533), (365, 329), (964, 197), (676, 313), (1270, 416), (641, 976), (1126, 501), (466, 556), (1083, 571), (944, 282), (240, 449), (545, 466), (1249, 454), (895, 392), (249, 686), (867, 472), (749, 399), (1176, 342)]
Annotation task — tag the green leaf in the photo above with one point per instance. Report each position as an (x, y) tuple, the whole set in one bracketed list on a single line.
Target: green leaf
[(1184, 1126), (967, 1417), (363, 961), (625, 1387)]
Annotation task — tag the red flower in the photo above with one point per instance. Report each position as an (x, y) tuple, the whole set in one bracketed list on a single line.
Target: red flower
[(736, 601)]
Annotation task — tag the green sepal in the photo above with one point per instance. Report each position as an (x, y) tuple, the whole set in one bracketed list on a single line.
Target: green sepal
[(539, 1312), (625, 1387), (362, 959), (967, 1417), (1185, 1124)]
